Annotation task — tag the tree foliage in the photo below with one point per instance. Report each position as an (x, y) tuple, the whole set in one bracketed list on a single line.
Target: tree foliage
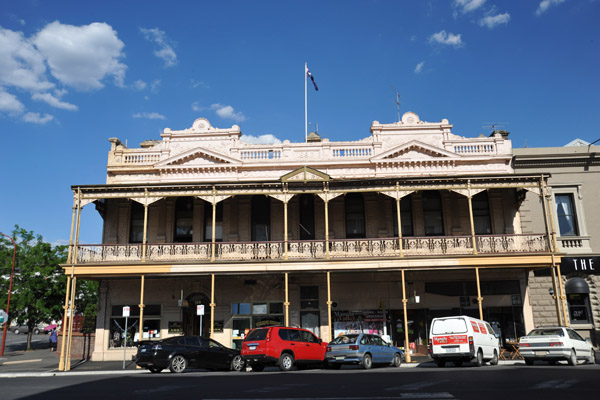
[(39, 283)]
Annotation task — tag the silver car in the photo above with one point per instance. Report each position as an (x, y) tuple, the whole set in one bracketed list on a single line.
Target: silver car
[(363, 349), (556, 343)]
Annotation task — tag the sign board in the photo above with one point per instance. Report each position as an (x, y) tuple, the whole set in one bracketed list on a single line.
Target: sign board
[(126, 311), (200, 309), (3, 317), (583, 265)]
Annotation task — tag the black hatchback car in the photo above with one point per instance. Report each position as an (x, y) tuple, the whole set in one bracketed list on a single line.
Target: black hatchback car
[(182, 352)]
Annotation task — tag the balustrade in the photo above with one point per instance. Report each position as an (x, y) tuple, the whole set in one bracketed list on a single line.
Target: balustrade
[(314, 249)]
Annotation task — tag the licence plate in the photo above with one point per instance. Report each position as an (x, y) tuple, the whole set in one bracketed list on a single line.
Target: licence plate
[(142, 350), (452, 350), (251, 347), (339, 358), (540, 353)]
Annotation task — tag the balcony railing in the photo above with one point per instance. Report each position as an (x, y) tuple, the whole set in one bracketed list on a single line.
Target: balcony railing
[(314, 249)]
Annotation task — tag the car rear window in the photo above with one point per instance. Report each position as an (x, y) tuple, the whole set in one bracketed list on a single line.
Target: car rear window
[(345, 339), (448, 326), (257, 334), (546, 332)]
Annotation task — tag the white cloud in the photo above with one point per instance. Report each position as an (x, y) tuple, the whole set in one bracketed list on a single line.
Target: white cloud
[(199, 83), (227, 112), (196, 107), (492, 21), (54, 101), (10, 104), (152, 115), (419, 67), (546, 4), (21, 65), (140, 85), (165, 51), (154, 85), (468, 5), (82, 56), (446, 38), (36, 118), (262, 139)]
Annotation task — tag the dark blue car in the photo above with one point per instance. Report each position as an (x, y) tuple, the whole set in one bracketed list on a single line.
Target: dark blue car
[(363, 349)]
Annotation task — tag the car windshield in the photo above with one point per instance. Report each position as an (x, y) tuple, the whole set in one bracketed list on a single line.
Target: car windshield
[(546, 332), (345, 339)]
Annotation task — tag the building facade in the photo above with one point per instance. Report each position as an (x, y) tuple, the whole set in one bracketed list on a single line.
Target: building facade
[(380, 234), (574, 189)]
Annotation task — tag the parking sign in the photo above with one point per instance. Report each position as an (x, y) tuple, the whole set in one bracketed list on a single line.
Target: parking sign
[(126, 311)]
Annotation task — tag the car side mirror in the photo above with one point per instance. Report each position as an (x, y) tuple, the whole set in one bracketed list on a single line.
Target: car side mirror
[(320, 341), (589, 340)]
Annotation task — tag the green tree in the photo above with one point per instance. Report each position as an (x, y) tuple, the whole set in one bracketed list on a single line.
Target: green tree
[(39, 283)]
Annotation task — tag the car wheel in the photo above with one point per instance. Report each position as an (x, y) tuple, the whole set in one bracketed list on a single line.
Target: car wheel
[(397, 360), (178, 364), (572, 358), (592, 359), (36, 331), (440, 363), (494, 360), (237, 364), (16, 331), (257, 367), (529, 361), (479, 361), (458, 363), (286, 362), (155, 370), (367, 361)]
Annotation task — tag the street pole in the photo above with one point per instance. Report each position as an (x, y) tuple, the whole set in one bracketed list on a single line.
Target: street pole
[(9, 292)]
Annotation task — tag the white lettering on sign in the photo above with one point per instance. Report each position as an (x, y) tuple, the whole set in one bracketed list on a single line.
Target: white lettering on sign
[(584, 264)]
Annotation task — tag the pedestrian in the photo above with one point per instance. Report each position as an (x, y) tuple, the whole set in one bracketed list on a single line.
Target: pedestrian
[(53, 339)]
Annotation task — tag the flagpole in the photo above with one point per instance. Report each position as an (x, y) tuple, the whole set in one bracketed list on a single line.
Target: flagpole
[(305, 106)]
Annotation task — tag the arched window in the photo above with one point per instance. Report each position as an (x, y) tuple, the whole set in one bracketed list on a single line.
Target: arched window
[(355, 216), (136, 222), (406, 216), (481, 214), (432, 213), (184, 220), (307, 217), (260, 218), (578, 297), (208, 214)]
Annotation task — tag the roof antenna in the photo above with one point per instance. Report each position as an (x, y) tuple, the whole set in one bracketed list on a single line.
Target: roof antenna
[(397, 101)]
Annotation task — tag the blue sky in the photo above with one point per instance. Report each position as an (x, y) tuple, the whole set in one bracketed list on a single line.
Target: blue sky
[(73, 74)]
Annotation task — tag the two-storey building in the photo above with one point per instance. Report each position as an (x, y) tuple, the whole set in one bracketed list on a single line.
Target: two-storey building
[(575, 190), (380, 234)]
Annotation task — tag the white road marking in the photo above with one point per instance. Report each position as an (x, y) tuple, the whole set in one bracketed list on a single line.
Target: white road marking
[(21, 362), (556, 384), (416, 385)]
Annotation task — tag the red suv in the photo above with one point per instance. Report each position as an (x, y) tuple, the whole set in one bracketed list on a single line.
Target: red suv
[(281, 346)]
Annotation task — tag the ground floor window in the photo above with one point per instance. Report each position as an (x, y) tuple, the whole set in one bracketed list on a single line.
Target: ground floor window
[(119, 325), (248, 316)]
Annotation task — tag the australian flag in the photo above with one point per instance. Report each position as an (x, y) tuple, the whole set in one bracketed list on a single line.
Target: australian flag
[(312, 78)]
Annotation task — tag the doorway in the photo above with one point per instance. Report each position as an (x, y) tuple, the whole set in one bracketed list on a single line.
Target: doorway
[(191, 321)]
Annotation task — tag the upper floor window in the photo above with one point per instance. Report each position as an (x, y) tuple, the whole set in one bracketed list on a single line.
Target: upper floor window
[(481, 214), (406, 217), (261, 218), (565, 212), (307, 217), (136, 222), (432, 213), (184, 219), (208, 217), (355, 216)]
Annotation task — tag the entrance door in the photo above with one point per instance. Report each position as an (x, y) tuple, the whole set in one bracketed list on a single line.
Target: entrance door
[(191, 321)]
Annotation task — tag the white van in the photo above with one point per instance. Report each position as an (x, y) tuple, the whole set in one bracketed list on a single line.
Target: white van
[(462, 338)]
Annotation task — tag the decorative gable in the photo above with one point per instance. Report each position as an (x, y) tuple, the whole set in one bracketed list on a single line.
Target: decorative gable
[(414, 150), (198, 157), (305, 174)]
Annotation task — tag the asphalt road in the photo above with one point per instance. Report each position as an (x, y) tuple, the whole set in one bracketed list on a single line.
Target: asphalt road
[(19, 342), (500, 382)]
